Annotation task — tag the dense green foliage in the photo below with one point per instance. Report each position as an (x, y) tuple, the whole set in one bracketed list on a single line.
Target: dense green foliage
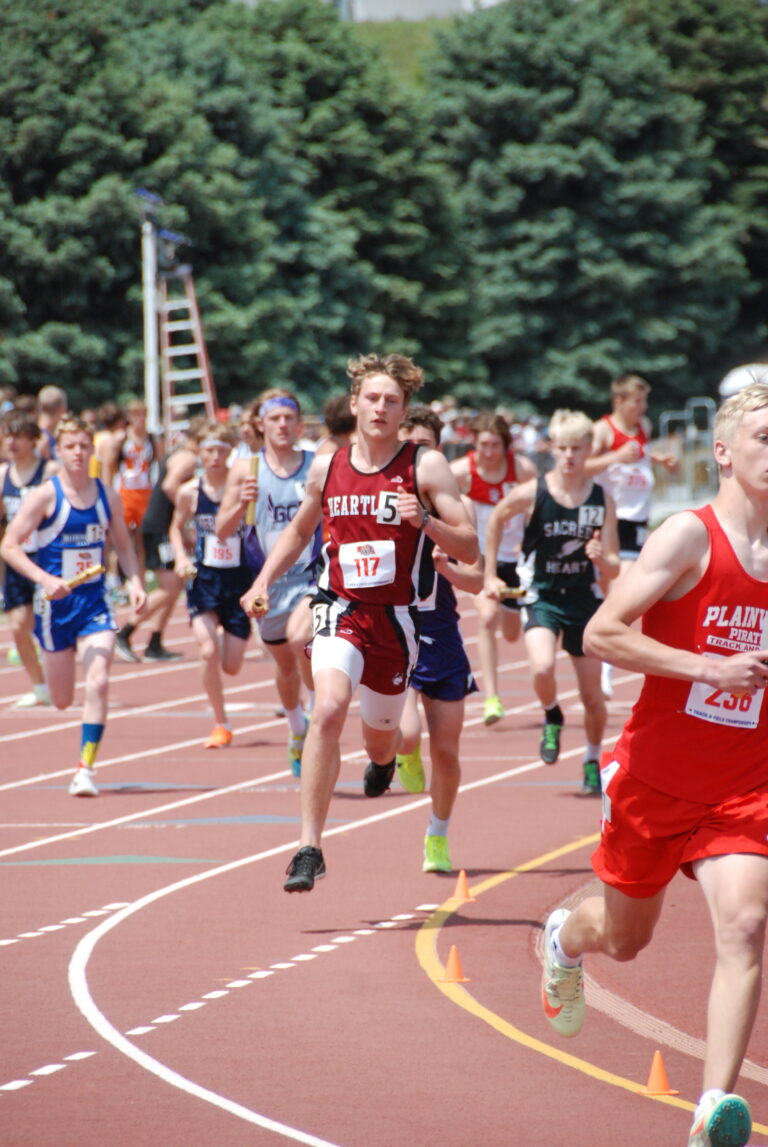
[(583, 181), (320, 229), (718, 51), (568, 190)]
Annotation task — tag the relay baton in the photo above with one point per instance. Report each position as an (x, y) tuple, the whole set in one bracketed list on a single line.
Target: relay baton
[(250, 509), (84, 575), (513, 591)]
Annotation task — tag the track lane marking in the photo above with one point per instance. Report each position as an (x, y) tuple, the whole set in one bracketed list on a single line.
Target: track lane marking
[(77, 972), (426, 951)]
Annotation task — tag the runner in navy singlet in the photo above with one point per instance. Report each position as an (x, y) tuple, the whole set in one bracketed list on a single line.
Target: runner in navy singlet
[(23, 471)]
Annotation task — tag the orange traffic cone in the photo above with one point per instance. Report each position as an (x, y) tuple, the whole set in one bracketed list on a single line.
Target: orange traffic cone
[(453, 972), (462, 889), (658, 1084)]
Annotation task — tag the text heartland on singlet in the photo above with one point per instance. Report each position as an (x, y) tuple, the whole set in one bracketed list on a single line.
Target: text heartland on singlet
[(745, 626), (382, 506)]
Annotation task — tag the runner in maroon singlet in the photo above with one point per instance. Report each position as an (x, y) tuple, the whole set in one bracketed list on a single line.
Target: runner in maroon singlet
[(384, 504)]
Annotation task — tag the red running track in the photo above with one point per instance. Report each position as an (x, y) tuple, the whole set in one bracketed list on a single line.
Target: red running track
[(160, 987)]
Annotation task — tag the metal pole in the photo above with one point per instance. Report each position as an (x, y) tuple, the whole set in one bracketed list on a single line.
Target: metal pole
[(151, 353)]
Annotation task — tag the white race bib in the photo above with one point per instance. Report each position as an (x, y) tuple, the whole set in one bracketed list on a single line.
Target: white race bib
[(366, 564), (724, 708), (221, 555), (76, 562)]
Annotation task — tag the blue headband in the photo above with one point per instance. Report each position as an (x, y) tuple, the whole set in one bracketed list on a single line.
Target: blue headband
[(278, 400)]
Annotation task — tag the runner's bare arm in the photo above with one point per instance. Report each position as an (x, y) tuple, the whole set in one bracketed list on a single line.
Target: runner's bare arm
[(670, 564), (603, 547), (461, 575), (526, 469), (186, 504), (450, 528), (120, 536), (232, 507), (180, 468), (461, 472), (518, 501), (602, 455), (294, 538), (34, 509)]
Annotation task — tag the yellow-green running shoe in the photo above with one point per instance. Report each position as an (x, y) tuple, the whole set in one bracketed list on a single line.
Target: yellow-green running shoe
[(437, 858), (493, 711), (410, 771)]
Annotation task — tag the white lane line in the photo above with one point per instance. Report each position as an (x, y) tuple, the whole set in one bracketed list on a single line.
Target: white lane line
[(15, 1084), (129, 714), (81, 994), (49, 1069), (142, 674), (147, 814), (45, 928)]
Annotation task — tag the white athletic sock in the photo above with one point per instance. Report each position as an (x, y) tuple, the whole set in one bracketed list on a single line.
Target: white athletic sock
[(592, 752), (296, 720), (562, 958), (715, 1093), (437, 827)]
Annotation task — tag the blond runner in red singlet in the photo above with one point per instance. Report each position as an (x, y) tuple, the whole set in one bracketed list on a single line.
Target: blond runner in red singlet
[(687, 784)]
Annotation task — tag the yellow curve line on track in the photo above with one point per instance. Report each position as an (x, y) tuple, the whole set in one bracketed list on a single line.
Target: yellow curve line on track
[(426, 950)]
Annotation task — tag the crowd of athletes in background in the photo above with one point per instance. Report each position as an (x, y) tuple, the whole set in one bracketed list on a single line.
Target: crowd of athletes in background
[(178, 502), (547, 534)]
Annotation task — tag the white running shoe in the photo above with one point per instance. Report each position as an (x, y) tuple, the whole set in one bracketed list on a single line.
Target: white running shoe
[(723, 1122), (562, 989), (606, 680), (83, 784), (38, 695)]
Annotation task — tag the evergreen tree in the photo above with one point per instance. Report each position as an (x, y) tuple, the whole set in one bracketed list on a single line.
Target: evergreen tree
[(583, 183), (718, 52), (321, 231)]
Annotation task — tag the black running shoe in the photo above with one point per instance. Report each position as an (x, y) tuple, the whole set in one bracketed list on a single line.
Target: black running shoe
[(306, 867), (160, 653), (549, 745), (378, 778), (591, 786), (123, 649)]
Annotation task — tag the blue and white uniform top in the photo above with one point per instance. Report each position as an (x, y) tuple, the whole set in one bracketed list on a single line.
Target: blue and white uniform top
[(71, 539), (279, 499), (69, 542), (210, 551), (14, 495)]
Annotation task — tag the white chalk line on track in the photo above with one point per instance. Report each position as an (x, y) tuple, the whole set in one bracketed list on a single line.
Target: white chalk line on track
[(123, 714), (148, 813), (84, 1001), (78, 981), (136, 1053)]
